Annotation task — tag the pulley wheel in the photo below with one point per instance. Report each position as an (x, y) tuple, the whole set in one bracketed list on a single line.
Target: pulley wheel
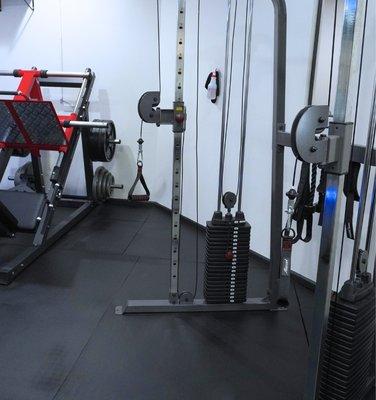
[(102, 143)]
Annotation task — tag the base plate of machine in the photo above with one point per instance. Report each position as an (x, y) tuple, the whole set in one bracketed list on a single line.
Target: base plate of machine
[(199, 305)]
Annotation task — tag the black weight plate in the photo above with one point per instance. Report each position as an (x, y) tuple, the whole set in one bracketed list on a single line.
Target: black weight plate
[(226, 268), (226, 288), (97, 183), (100, 148), (224, 300), (221, 262)]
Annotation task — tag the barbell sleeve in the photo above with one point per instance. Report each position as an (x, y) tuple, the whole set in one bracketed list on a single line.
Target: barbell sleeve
[(6, 73), (85, 124), (61, 74), (116, 186)]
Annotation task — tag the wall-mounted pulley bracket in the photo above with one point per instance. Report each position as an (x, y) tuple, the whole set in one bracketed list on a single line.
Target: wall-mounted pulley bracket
[(310, 144), (150, 112)]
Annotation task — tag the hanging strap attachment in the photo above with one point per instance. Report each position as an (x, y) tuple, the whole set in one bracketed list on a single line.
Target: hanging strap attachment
[(304, 206), (139, 177), (351, 192)]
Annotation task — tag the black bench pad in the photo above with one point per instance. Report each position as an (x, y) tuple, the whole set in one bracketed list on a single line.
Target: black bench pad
[(24, 206)]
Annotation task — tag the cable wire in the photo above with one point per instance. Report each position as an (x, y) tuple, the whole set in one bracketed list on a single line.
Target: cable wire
[(301, 314), (227, 110), (243, 84), (159, 47), (196, 141)]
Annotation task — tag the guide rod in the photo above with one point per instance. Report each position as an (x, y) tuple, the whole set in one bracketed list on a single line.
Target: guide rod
[(365, 183)]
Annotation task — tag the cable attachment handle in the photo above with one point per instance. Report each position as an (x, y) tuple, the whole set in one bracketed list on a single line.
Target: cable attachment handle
[(288, 232), (288, 236), (140, 154), (139, 177)]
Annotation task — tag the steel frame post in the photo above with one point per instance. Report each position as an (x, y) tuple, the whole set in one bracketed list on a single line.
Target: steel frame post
[(364, 189), (279, 96), (177, 159), (63, 164), (332, 205)]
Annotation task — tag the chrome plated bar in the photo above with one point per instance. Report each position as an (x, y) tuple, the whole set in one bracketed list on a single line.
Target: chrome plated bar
[(62, 74), (86, 124), (6, 73), (224, 104), (245, 105)]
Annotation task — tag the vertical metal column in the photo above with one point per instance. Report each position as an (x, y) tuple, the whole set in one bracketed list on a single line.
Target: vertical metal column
[(332, 206), (177, 162), (245, 104), (279, 90), (365, 184)]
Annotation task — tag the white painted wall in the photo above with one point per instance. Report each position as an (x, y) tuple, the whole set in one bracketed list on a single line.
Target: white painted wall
[(117, 39)]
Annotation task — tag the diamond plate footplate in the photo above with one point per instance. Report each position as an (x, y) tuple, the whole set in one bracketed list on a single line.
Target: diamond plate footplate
[(40, 122), (9, 132)]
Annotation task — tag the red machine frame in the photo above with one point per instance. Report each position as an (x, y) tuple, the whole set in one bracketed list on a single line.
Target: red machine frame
[(29, 90)]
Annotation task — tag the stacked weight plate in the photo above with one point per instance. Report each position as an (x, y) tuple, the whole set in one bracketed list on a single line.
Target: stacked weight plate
[(348, 350), (227, 260)]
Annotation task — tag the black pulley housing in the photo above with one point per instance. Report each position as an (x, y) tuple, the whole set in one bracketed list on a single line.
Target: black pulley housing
[(101, 142)]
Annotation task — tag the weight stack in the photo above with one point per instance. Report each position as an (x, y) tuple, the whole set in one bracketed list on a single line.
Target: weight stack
[(227, 260), (348, 353)]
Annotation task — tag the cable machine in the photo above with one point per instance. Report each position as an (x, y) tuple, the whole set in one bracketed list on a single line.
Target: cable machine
[(320, 139), (182, 301)]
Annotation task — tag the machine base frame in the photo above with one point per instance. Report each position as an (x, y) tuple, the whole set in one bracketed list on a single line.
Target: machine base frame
[(198, 305)]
